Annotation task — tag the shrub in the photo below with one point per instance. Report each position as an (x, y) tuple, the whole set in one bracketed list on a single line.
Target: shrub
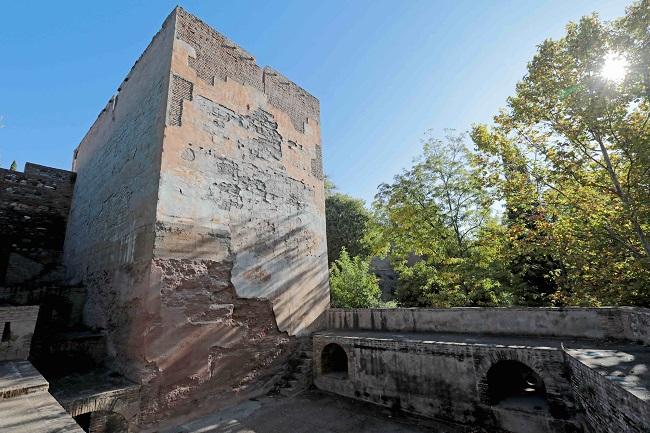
[(352, 284)]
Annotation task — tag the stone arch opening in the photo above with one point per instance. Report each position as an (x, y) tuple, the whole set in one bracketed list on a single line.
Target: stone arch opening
[(334, 361), (514, 385)]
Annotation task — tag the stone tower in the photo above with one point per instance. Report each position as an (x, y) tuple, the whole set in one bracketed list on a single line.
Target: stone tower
[(197, 222)]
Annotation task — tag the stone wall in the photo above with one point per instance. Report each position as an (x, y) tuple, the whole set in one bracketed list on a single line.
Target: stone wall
[(608, 408), (597, 323), (637, 324), (446, 380), (16, 331), (240, 254), (241, 179), (110, 232), (34, 208)]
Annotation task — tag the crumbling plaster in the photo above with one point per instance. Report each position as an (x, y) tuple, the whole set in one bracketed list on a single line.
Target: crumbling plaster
[(237, 179)]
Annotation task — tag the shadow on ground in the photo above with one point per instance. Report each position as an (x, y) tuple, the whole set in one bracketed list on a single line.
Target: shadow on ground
[(310, 412)]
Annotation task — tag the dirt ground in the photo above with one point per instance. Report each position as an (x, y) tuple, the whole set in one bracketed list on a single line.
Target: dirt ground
[(310, 412)]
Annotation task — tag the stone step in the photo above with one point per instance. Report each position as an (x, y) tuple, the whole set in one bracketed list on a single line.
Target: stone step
[(20, 378)]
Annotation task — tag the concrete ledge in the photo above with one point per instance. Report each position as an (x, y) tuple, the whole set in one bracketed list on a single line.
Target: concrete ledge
[(593, 323), (37, 413), (25, 404), (20, 378)]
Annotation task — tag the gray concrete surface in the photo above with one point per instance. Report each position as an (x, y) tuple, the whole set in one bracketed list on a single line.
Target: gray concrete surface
[(611, 385), (447, 375), (628, 365), (459, 338), (25, 404), (18, 378), (35, 413)]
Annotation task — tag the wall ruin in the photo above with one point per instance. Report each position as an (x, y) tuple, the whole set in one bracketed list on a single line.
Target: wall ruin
[(34, 208)]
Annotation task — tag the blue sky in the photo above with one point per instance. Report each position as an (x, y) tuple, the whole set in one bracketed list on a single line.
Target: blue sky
[(384, 71)]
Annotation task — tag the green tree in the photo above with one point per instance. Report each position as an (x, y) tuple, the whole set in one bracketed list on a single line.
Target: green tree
[(346, 218), (13, 166), (504, 171), (352, 285), (438, 211), (579, 124)]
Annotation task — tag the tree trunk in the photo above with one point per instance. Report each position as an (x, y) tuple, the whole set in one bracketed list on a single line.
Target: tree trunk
[(625, 199)]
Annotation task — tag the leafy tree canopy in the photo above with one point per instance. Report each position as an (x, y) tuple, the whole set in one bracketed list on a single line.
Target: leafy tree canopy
[(570, 156), (347, 218), (438, 211)]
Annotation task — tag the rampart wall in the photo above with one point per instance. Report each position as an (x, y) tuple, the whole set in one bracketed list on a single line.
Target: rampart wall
[(34, 207)]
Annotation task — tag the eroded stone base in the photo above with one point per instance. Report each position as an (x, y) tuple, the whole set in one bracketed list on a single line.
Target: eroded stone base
[(208, 347)]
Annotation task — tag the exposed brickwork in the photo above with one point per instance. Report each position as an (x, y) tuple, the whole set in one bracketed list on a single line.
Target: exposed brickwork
[(216, 56), (219, 58), (291, 99), (180, 89), (34, 207), (266, 142), (317, 164)]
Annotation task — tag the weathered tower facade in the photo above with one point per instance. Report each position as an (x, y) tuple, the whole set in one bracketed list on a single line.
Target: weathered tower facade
[(197, 221)]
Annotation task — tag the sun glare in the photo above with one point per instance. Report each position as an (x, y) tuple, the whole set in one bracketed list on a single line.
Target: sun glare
[(614, 68)]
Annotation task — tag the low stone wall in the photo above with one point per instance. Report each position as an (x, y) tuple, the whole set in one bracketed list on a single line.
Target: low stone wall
[(34, 208), (595, 323), (16, 331), (608, 408), (637, 324)]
